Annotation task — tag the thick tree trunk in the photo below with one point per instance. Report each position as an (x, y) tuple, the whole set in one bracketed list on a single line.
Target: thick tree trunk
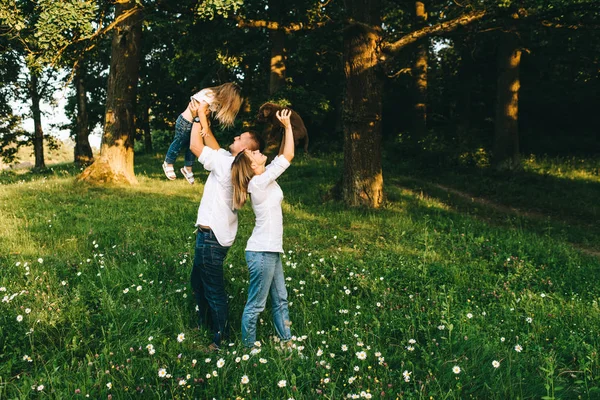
[(506, 139), (277, 75), (83, 150), (38, 133), (420, 76), (362, 182), (115, 163)]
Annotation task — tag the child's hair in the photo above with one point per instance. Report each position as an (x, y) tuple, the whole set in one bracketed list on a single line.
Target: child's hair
[(229, 100), (241, 173)]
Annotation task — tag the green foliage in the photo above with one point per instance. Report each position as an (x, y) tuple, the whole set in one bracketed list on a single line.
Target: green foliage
[(222, 8), (99, 277)]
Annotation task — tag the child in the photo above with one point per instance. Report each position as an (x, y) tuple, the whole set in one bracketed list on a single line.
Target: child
[(224, 101)]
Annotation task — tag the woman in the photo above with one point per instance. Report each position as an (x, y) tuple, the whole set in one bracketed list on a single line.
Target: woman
[(251, 177)]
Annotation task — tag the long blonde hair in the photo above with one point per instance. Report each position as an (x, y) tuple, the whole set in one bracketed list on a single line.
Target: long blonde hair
[(228, 101), (241, 173)]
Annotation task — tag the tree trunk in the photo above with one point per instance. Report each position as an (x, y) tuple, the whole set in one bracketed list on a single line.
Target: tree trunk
[(277, 36), (38, 133), (115, 163), (362, 182), (420, 76), (83, 151), (506, 139)]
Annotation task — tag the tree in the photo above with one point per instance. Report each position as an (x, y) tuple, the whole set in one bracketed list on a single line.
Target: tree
[(420, 75), (362, 182), (115, 163)]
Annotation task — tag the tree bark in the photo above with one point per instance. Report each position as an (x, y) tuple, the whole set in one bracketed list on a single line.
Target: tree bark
[(83, 151), (277, 36), (115, 163), (38, 133), (420, 76), (506, 138), (362, 182)]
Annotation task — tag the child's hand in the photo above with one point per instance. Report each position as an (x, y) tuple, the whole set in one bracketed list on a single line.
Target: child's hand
[(284, 117), (203, 132)]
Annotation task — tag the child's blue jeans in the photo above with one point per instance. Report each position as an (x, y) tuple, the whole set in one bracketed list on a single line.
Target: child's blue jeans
[(183, 130)]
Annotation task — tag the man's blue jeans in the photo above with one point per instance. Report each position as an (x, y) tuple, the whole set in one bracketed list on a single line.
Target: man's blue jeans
[(208, 284), (183, 131), (266, 276)]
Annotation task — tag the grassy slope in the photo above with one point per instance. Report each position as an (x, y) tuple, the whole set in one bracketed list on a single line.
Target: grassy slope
[(468, 265)]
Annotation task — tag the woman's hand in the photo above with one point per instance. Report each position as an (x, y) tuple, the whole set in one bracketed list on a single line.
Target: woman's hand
[(284, 117)]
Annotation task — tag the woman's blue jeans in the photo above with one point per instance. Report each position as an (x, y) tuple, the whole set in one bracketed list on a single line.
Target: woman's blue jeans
[(266, 276), (183, 131), (208, 284)]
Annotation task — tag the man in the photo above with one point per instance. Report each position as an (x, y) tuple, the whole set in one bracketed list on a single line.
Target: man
[(217, 226)]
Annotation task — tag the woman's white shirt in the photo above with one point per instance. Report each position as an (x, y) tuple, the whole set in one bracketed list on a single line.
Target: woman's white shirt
[(266, 197)]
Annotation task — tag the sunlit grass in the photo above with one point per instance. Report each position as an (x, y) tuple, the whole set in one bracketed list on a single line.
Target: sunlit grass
[(423, 298), (576, 168)]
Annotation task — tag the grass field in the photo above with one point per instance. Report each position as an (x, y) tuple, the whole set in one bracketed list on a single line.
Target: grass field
[(467, 284)]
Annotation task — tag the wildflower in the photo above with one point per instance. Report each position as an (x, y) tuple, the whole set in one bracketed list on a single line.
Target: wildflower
[(150, 338), (181, 337), (207, 360), (162, 372), (237, 359), (262, 360), (412, 341), (27, 310), (406, 376), (220, 363), (502, 339), (215, 373), (495, 364), (40, 387), (182, 382), (2, 289), (456, 369), (542, 295), (344, 347), (351, 379), (361, 355), (64, 283), (356, 368), (518, 348), (41, 260), (319, 353), (245, 357), (126, 290), (410, 348), (441, 327), (469, 315), (529, 320), (19, 318), (245, 380), (109, 385), (282, 383), (138, 288)]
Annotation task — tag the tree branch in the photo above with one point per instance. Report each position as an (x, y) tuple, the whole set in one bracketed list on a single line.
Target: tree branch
[(440, 28)]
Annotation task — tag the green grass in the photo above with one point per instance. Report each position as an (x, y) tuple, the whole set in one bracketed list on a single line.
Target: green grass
[(457, 269)]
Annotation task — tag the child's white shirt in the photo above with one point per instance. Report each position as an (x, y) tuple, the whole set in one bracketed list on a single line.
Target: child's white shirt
[(207, 96), (216, 207), (266, 197)]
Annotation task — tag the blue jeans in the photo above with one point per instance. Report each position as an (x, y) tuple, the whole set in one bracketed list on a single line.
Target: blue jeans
[(208, 284), (266, 276), (183, 131)]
